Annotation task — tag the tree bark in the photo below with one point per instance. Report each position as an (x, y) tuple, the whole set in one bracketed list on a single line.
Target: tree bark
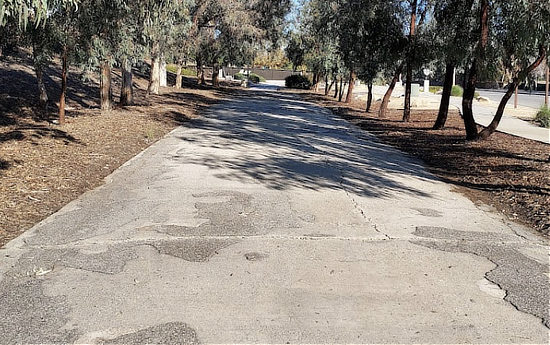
[(352, 78), (106, 91), (64, 73), (43, 95), (342, 87), (179, 77), (315, 83), (467, 103), (387, 95), (410, 58), (154, 78), (200, 73), (470, 87), (547, 88), (369, 97), (485, 133), (216, 75), (163, 75), (336, 88), (445, 97), (127, 90)]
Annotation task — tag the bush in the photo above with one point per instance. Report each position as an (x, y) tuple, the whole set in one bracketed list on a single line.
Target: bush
[(239, 76), (188, 72), (435, 89), (457, 91), (543, 116), (255, 78), (298, 82)]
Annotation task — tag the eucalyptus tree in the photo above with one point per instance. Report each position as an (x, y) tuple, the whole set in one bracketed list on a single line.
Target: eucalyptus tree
[(33, 11), (419, 10), (391, 49), (320, 42), (522, 39), (159, 19), (230, 31), (515, 32), (43, 42), (453, 28)]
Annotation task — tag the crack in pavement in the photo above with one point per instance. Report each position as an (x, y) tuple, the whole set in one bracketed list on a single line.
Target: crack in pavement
[(523, 279)]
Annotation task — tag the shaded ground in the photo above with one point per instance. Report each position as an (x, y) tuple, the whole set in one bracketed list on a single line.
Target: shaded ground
[(509, 173), (43, 166)]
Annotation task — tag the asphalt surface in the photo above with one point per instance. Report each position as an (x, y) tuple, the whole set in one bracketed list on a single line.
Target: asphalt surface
[(532, 100), (273, 221)]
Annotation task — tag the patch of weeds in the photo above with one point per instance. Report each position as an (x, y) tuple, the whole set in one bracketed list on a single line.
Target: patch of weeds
[(543, 116)]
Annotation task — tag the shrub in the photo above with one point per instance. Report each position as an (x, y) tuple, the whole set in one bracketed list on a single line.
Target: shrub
[(239, 76), (188, 72), (255, 78), (457, 91), (543, 116), (435, 89), (298, 82)]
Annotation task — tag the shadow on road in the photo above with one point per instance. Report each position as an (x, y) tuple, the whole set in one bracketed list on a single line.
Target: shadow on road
[(287, 143)]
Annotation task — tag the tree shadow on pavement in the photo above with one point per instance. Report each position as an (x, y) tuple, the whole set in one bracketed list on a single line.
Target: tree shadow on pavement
[(286, 143)]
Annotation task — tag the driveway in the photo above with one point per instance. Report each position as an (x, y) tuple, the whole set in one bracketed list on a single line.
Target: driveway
[(272, 221)]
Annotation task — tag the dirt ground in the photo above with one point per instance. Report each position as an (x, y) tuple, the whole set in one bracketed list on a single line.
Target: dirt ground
[(510, 174), (43, 166)]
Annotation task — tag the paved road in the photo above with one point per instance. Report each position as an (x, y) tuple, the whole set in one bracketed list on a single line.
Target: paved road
[(272, 221), (534, 100)]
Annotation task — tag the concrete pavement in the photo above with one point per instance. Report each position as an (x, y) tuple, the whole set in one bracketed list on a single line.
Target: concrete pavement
[(273, 221), (511, 122)]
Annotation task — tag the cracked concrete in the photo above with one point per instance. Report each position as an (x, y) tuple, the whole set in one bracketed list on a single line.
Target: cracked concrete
[(273, 221), (523, 279)]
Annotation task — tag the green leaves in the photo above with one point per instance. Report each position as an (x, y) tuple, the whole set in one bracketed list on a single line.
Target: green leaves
[(25, 11)]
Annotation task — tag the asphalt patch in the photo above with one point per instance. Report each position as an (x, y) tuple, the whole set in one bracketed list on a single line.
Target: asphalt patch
[(173, 333), (525, 280), (27, 315), (255, 256), (428, 212), (192, 250)]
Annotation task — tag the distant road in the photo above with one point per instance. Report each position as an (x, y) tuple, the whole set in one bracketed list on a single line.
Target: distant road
[(534, 100)]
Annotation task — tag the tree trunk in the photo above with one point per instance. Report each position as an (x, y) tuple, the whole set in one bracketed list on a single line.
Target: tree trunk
[(329, 86), (43, 95), (445, 97), (547, 88), (200, 73), (349, 96), (315, 83), (342, 87), (216, 75), (467, 103), (154, 78), (470, 84), (64, 72), (408, 91), (410, 58), (326, 84), (369, 97), (106, 91), (336, 88), (163, 77), (511, 89), (127, 90), (179, 77), (387, 96)]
